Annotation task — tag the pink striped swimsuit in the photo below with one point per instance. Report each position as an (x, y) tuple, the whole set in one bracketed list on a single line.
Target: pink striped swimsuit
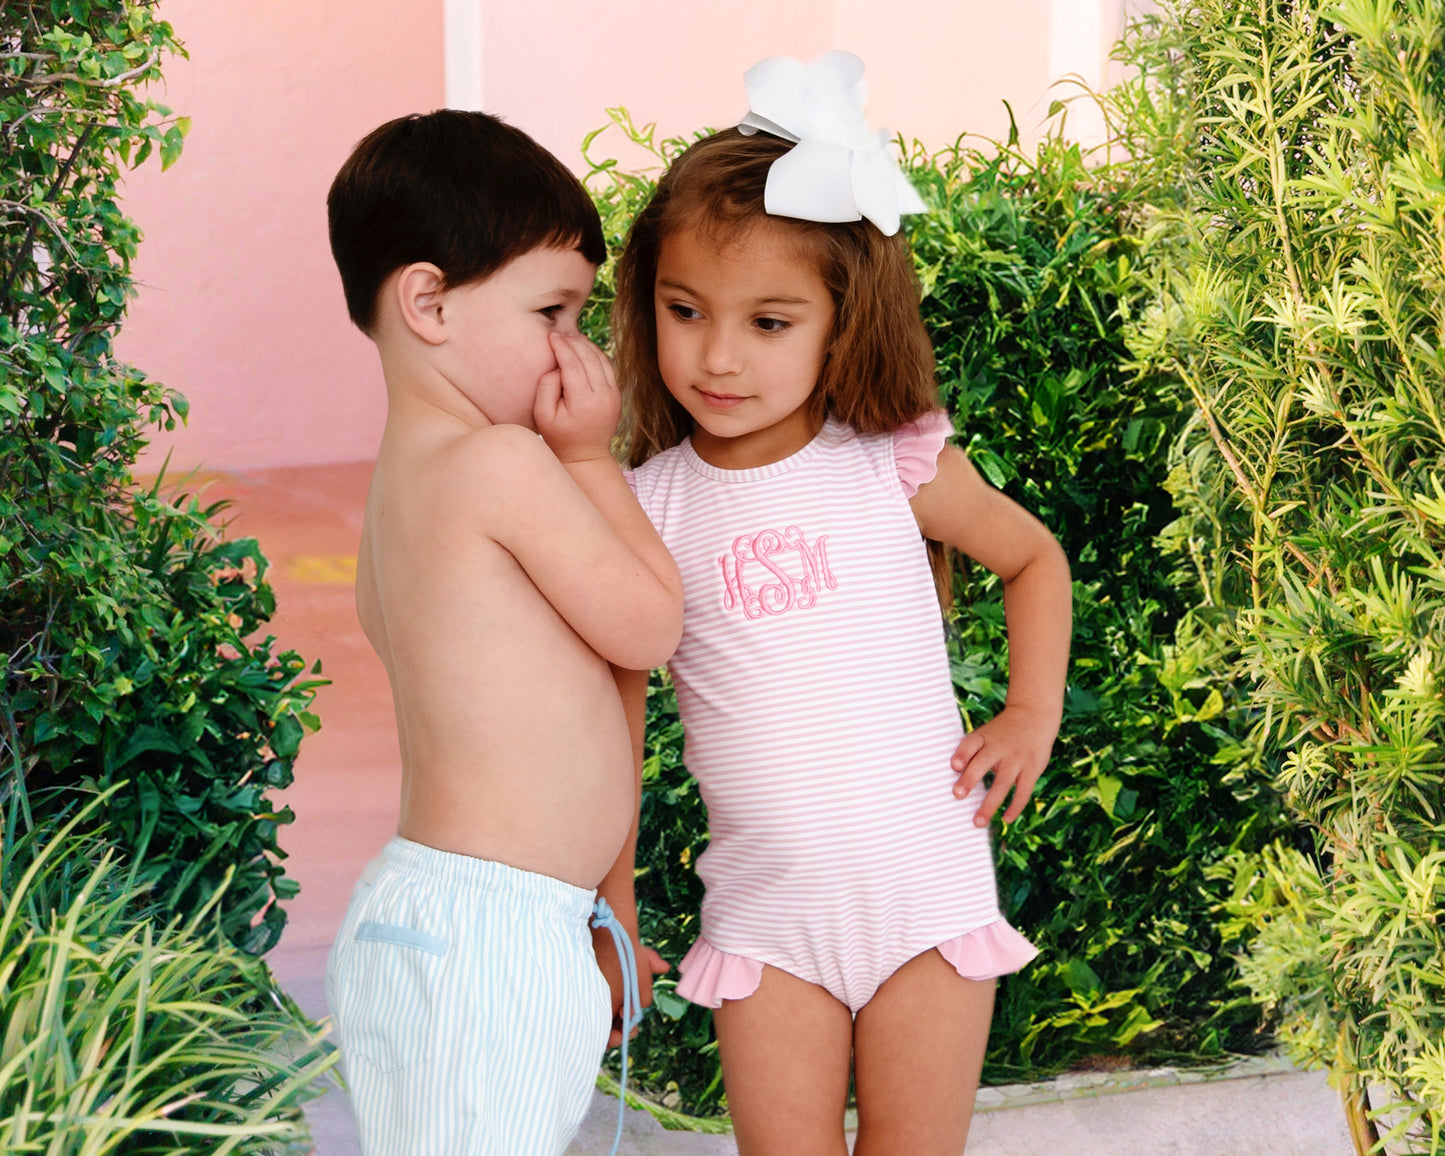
[(820, 719)]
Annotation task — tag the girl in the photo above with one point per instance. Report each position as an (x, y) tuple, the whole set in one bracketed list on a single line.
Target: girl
[(789, 447)]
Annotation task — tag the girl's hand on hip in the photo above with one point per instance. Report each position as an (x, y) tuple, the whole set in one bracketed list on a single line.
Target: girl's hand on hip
[(1014, 745), (577, 403)]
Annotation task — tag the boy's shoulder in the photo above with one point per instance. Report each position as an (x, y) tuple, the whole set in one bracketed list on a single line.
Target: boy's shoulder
[(505, 468), (499, 456)]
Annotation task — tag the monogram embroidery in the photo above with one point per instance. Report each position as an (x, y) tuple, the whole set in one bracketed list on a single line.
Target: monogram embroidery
[(768, 549)]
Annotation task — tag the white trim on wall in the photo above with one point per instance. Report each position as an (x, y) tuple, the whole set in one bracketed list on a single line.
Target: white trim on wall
[(462, 35), (1078, 50), (1076, 36)]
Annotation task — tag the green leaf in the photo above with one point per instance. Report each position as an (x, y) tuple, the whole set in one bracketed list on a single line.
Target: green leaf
[(1081, 979), (171, 145), (286, 736), (671, 1005), (1109, 788)]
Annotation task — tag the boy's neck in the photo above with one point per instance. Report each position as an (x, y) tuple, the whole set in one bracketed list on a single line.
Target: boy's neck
[(415, 386)]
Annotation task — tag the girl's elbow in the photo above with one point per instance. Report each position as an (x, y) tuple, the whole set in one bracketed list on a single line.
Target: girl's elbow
[(1057, 563), (1061, 559), (1044, 562)]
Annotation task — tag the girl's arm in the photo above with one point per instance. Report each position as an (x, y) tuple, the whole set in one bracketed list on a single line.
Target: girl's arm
[(959, 508)]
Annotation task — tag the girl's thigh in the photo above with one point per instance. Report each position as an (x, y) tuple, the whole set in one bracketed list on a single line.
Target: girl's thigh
[(918, 1051), (785, 1052)]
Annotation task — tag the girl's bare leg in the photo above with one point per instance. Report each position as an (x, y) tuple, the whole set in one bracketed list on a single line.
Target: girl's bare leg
[(785, 1052), (918, 1051)]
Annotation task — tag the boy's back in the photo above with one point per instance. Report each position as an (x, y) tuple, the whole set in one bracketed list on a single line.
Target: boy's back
[(513, 742), (499, 575)]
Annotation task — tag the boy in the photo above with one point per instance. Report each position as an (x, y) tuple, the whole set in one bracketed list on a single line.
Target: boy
[(499, 574)]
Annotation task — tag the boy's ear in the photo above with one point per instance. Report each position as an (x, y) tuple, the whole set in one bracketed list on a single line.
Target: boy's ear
[(419, 294)]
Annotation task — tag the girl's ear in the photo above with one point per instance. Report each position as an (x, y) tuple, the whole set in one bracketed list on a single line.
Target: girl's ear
[(419, 290)]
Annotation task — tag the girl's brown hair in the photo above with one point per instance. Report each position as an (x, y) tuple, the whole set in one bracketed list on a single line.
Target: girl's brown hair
[(879, 371)]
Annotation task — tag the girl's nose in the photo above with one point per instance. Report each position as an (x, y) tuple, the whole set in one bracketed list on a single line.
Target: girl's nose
[(719, 354)]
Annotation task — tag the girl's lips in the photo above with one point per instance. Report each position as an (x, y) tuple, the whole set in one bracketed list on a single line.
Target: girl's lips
[(721, 400)]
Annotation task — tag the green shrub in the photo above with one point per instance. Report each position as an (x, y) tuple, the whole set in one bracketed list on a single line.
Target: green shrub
[(127, 1031), (1030, 271), (1301, 300), (125, 623)]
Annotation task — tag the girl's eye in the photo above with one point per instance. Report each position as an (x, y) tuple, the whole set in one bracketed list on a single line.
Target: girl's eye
[(550, 312), (772, 324), (684, 312)]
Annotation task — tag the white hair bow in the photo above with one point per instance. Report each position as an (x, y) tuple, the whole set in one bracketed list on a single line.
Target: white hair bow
[(837, 170)]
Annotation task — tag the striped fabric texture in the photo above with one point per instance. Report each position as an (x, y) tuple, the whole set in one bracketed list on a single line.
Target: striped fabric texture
[(471, 1013), (818, 711)]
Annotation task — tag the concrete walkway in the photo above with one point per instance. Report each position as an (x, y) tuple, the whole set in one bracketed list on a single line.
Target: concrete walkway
[(1288, 1114), (345, 795), (1282, 1114)]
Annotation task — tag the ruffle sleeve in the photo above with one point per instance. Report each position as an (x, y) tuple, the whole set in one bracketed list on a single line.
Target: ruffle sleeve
[(916, 448)]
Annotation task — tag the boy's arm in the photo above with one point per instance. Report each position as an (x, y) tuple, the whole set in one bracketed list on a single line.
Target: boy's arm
[(584, 379), (617, 604), (617, 887), (565, 513)]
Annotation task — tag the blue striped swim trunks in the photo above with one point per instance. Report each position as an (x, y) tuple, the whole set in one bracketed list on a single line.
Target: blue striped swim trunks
[(470, 1010)]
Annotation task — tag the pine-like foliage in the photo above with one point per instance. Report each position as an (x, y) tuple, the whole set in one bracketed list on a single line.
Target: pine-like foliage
[(127, 1030), (1302, 302)]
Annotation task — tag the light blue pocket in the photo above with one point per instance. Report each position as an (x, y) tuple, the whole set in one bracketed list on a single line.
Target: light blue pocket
[(402, 936), (391, 979)]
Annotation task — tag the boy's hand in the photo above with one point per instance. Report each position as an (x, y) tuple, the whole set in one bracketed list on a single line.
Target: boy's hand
[(649, 963), (1015, 746), (577, 403)]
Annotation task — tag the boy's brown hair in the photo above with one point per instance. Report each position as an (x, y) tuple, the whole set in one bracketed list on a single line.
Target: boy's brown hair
[(462, 190), (878, 373)]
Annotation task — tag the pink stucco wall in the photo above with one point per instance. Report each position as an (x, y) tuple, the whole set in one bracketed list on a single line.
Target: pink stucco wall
[(555, 79), (936, 68), (239, 307), (942, 69)]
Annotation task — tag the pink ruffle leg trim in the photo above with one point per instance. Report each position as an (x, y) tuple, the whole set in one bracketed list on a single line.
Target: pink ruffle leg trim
[(989, 951), (709, 976)]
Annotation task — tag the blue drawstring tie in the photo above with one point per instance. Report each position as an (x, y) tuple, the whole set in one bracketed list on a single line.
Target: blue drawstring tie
[(604, 919)]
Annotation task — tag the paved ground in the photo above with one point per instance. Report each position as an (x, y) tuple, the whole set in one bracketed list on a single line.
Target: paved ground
[(1281, 1115), (308, 521)]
